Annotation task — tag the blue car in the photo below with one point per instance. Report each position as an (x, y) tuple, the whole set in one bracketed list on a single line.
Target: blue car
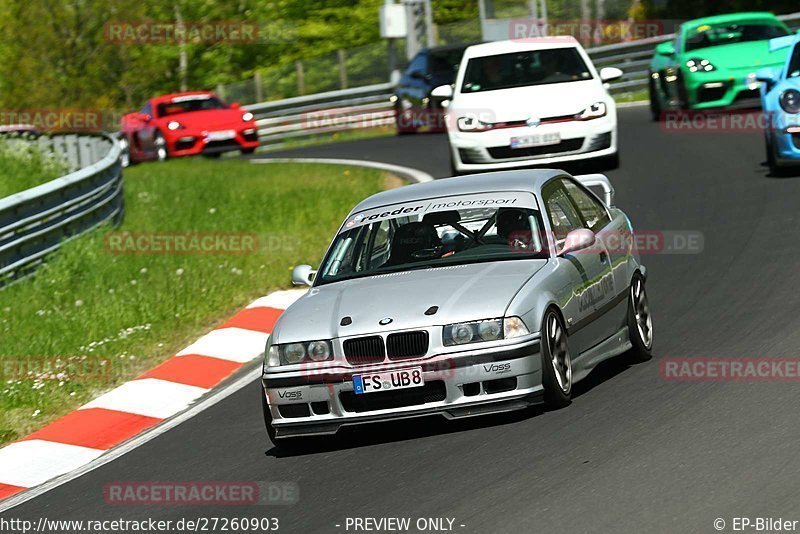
[(780, 99)]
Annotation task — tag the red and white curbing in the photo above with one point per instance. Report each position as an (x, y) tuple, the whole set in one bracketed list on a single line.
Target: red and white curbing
[(115, 417)]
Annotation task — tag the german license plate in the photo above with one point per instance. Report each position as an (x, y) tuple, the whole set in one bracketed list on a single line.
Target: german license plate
[(222, 135), (388, 381), (525, 141)]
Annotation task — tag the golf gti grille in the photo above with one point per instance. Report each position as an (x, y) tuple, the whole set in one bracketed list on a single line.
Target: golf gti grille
[(406, 345), (435, 391), (506, 152), (364, 350)]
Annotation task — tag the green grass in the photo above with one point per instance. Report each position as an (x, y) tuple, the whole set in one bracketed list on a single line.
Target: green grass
[(23, 165), (635, 96), (135, 311), (337, 137)]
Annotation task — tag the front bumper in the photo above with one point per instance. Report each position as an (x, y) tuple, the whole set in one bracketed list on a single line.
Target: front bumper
[(191, 142), (463, 384), (729, 89), (580, 140)]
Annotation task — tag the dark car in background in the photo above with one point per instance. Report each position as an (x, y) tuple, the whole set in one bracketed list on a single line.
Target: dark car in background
[(415, 108)]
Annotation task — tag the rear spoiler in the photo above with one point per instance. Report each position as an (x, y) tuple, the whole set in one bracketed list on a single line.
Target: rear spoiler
[(599, 180)]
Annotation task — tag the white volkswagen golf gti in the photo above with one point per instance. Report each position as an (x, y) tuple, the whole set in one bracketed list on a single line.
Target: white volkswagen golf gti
[(529, 102)]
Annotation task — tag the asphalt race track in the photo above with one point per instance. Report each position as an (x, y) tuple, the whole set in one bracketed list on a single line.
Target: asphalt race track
[(633, 453)]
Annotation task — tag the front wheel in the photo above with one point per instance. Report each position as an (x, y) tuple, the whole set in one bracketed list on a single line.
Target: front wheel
[(640, 321), (246, 151), (556, 361), (655, 102)]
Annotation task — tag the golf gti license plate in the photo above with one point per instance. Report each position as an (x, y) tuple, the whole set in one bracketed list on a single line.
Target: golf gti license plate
[(525, 141), (388, 381), (222, 135)]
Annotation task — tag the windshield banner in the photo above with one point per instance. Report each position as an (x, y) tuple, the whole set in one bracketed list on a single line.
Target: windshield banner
[(502, 199)]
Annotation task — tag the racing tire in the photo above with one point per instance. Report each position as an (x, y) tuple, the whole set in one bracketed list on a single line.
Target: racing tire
[(640, 322), (246, 151), (556, 361), (453, 170), (655, 102), (772, 159), (610, 163), (162, 153)]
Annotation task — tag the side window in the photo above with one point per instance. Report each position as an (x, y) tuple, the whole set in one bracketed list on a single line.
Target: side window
[(418, 64), (147, 109), (593, 213), (562, 214)]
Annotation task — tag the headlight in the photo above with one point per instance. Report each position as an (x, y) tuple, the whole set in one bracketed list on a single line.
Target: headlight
[(295, 353), (595, 111), (790, 101), (700, 65), (472, 332), (514, 327), (247, 116), (472, 124), (175, 125), (319, 351)]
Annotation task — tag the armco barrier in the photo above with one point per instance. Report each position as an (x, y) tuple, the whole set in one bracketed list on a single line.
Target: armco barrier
[(36, 222)]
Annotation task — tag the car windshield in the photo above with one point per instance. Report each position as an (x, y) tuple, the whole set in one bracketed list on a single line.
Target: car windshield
[(794, 64), (437, 233), (520, 69), (187, 104), (708, 35), (445, 62)]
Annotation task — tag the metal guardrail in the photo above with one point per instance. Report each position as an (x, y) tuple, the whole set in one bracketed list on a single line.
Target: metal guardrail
[(367, 107), (36, 222)]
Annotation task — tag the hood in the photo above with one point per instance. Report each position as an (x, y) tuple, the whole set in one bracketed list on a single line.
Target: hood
[(462, 293), (537, 101), (752, 55), (208, 119)]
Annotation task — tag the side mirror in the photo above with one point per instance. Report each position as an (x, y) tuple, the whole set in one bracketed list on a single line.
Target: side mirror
[(145, 117), (443, 91), (576, 240), (666, 49), (235, 105), (608, 74), (303, 275)]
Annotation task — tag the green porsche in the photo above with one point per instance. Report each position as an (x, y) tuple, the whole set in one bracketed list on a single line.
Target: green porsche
[(712, 62)]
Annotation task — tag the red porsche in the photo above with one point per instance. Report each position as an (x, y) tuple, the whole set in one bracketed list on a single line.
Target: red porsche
[(186, 124)]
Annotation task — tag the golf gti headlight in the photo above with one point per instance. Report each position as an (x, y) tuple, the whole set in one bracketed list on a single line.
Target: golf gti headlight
[(595, 111), (295, 353), (699, 65), (486, 330), (247, 116), (472, 124), (790, 101), (175, 125)]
